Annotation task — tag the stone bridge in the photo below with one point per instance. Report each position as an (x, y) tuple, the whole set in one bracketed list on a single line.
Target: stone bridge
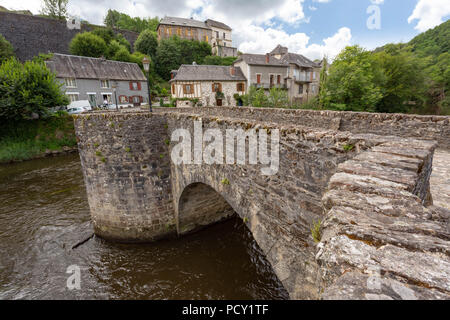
[(381, 238)]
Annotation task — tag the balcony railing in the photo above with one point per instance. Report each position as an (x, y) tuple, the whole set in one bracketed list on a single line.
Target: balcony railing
[(303, 78), (269, 85)]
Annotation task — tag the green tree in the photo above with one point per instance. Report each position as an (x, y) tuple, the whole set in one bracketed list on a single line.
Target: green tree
[(353, 81), (218, 61), (6, 49), (107, 34), (27, 90), (278, 98), (168, 57), (403, 81), (55, 8), (173, 52), (147, 43), (88, 44), (113, 47), (116, 19)]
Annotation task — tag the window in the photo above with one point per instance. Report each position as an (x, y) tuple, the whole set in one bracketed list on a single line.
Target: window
[(313, 89), (167, 30), (123, 99), (104, 83), (217, 34), (188, 89), (73, 97), (278, 79), (300, 89), (179, 31), (314, 75), (258, 78), (224, 35), (136, 86), (240, 87), (70, 83), (216, 87)]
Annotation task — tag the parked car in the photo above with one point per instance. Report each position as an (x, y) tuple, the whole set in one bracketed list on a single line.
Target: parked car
[(76, 110), (80, 103)]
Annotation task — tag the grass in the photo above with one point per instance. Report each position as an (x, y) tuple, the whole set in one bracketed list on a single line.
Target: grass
[(316, 232), (28, 139)]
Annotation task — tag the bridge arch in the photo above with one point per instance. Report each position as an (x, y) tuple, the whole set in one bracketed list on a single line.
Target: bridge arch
[(200, 205)]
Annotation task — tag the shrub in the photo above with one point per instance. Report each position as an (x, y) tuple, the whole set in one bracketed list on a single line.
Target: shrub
[(6, 49), (147, 42), (88, 44), (28, 90)]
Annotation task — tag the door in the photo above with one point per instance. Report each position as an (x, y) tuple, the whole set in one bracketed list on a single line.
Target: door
[(92, 100)]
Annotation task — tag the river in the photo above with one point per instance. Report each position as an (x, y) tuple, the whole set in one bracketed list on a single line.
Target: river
[(44, 213)]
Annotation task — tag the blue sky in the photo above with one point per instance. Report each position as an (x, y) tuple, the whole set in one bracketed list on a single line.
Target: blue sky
[(329, 17), (312, 27)]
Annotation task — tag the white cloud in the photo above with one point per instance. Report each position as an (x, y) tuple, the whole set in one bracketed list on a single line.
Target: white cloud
[(430, 13), (257, 24), (258, 40)]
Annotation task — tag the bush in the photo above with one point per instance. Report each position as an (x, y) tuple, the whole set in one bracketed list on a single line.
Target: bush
[(6, 49), (88, 44), (147, 42), (28, 90)]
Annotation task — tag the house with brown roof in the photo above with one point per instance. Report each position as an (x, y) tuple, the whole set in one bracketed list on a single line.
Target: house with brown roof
[(303, 76), (282, 69), (216, 33), (211, 85), (263, 70), (99, 80)]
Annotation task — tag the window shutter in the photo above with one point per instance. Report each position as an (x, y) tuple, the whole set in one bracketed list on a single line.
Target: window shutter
[(141, 99), (220, 87), (131, 85), (212, 89), (139, 85)]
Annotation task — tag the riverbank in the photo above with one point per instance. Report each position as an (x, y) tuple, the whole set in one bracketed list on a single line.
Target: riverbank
[(26, 140)]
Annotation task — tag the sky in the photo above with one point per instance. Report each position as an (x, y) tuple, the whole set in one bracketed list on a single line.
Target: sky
[(314, 28)]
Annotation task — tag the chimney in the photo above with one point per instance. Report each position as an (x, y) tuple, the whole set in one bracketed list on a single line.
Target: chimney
[(267, 58), (232, 71)]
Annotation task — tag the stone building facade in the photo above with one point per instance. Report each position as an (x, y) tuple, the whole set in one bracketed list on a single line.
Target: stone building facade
[(303, 77), (97, 80), (211, 85), (216, 33), (263, 71), (32, 35), (279, 68)]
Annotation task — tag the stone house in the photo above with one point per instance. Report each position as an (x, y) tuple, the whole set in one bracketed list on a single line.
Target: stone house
[(282, 69), (303, 75), (263, 70), (211, 85), (97, 80), (216, 33), (221, 39)]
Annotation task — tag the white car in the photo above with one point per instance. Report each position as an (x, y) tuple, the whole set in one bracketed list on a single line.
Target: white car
[(80, 103), (76, 110)]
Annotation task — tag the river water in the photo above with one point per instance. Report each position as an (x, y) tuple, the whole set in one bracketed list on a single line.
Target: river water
[(44, 212)]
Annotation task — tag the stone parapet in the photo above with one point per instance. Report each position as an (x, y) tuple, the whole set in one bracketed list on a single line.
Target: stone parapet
[(378, 240)]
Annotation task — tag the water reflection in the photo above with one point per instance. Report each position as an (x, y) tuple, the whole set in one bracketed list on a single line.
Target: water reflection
[(44, 212)]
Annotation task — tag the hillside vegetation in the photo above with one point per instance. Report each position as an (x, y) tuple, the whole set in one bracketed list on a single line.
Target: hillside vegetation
[(411, 77)]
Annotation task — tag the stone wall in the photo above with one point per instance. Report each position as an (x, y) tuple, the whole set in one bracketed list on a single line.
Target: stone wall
[(401, 125), (31, 35), (368, 190), (126, 167), (379, 241)]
